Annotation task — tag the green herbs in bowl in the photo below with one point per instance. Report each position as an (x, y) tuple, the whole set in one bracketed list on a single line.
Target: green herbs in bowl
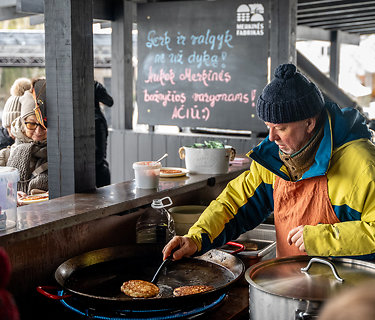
[(209, 145)]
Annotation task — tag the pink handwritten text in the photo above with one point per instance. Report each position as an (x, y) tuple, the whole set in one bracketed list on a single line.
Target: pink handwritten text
[(205, 76), (226, 97), (161, 77), (190, 113), (164, 98)]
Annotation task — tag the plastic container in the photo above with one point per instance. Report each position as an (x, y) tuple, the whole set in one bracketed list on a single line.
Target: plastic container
[(155, 225), (185, 216), (8, 197), (147, 174)]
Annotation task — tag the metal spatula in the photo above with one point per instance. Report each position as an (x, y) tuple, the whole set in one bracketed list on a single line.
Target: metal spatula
[(163, 264)]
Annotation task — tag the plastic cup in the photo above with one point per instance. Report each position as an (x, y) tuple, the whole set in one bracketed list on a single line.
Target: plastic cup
[(8, 197), (147, 174)]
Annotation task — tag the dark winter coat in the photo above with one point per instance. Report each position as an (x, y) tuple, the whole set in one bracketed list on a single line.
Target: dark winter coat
[(5, 138), (101, 133)]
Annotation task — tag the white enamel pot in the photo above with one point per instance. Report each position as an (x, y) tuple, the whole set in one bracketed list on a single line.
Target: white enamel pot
[(207, 160)]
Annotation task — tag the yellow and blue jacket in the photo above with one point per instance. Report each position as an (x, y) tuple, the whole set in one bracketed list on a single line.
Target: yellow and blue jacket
[(345, 155)]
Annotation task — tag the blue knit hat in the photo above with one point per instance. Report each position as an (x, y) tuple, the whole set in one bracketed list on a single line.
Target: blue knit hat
[(289, 97)]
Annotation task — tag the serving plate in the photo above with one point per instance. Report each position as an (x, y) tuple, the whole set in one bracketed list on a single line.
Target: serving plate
[(171, 172), (34, 198)]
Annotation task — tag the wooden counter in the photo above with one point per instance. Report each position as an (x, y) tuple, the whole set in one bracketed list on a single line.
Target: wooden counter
[(42, 218)]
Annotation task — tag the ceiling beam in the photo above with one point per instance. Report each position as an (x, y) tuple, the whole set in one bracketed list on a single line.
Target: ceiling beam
[(312, 2), (347, 17), (30, 6), (324, 23), (324, 14), (8, 3), (343, 12), (363, 31), (9, 13), (342, 26), (103, 9), (36, 19), (362, 28), (345, 4), (306, 33)]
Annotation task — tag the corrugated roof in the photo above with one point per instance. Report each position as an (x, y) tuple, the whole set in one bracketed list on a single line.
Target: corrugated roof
[(354, 16)]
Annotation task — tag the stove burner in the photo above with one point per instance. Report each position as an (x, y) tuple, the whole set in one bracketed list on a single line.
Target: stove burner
[(160, 314)]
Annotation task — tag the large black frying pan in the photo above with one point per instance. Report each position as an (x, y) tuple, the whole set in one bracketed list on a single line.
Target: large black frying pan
[(96, 276)]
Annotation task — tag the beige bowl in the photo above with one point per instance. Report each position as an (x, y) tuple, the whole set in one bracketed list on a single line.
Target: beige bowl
[(185, 216)]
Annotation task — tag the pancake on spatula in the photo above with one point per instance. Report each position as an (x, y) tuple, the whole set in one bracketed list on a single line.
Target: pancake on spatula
[(139, 289)]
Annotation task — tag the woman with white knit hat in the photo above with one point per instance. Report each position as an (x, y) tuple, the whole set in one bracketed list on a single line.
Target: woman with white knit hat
[(29, 152), (12, 110)]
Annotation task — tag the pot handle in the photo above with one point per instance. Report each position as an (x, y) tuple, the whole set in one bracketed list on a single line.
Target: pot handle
[(181, 153), (301, 315), (232, 154), (328, 263), (236, 244), (42, 290), (307, 310)]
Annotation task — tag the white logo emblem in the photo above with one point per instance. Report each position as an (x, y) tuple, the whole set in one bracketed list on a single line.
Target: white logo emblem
[(250, 20)]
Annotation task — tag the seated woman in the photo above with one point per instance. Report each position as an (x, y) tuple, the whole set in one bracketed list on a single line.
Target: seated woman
[(29, 152), (12, 110)]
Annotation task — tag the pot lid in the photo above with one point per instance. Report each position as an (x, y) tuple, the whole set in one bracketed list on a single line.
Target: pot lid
[(309, 278)]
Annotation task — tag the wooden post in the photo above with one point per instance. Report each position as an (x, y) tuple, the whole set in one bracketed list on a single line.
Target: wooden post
[(122, 92), (334, 66), (122, 65), (70, 96), (283, 33)]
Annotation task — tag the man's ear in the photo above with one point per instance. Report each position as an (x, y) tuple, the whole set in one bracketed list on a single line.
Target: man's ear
[(311, 124)]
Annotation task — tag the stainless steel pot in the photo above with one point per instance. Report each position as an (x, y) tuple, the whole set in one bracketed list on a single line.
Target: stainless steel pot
[(296, 287)]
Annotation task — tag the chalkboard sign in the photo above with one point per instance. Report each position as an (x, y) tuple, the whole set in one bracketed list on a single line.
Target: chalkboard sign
[(202, 64)]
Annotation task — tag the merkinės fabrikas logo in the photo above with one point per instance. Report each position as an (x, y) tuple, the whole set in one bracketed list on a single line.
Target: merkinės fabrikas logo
[(250, 20)]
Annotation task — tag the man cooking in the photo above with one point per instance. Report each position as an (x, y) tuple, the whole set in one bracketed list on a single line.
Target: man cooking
[(315, 170)]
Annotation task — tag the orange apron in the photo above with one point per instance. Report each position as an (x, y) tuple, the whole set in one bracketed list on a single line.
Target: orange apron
[(304, 202)]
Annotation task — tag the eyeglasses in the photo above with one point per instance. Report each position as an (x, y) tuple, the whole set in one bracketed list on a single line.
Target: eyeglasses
[(33, 125)]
